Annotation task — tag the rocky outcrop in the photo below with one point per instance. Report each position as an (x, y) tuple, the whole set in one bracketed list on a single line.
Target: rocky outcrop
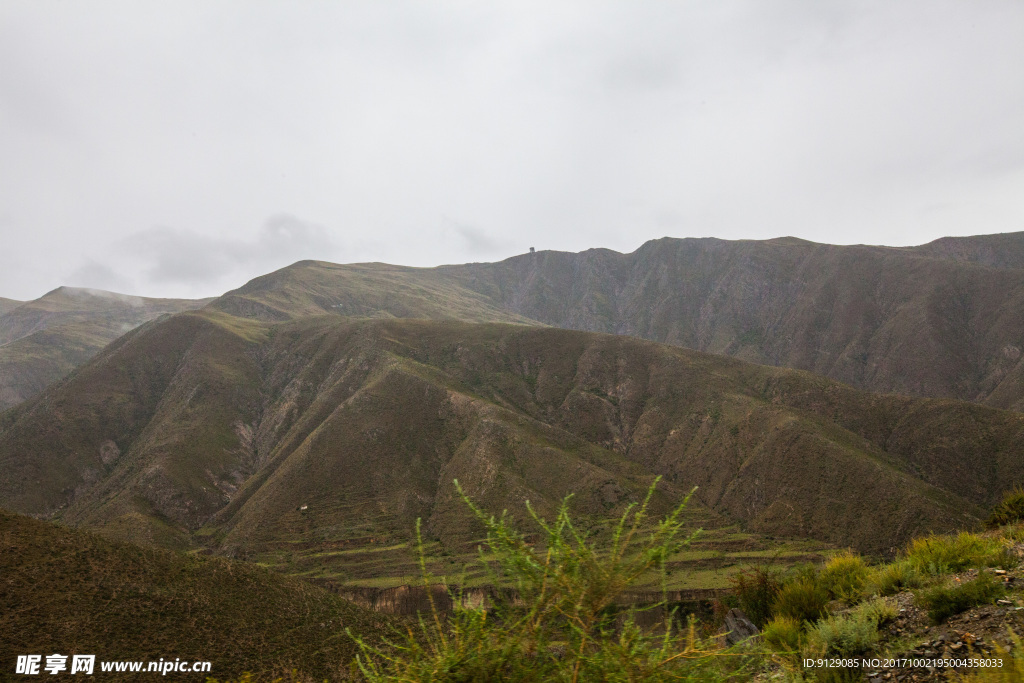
[(738, 627)]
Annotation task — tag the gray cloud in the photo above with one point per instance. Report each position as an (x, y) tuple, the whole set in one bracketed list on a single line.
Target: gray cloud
[(99, 276), (642, 72), (187, 256), (476, 241), (180, 255), (568, 125), (187, 260)]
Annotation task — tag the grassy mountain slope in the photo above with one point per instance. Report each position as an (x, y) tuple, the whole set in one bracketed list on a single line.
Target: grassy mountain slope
[(71, 592), (42, 341), (8, 305), (213, 428), (938, 320), (161, 403), (375, 290), (119, 312)]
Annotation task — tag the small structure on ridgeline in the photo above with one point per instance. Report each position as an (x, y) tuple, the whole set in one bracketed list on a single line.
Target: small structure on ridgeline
[(532, 250)]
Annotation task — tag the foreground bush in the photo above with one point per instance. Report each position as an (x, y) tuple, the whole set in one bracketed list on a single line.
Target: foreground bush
[(935, 555), (756, 590), (1010, 510), (566, 626), (943, 602), (1013, 533), (878, 610), (844, 576), (803, 598), (889, 579), (850, 635), (1012, 670), (783, 634)]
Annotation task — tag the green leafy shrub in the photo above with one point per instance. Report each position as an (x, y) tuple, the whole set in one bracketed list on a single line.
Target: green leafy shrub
[(802, 598), (844, 577), (564, 625), (720, 608), (889, 579), (847, 635), (1010, 510), (879, 610), (783, 634), (937, 555), (850, 635), (1013, 532), (756, 589), (943, 602)]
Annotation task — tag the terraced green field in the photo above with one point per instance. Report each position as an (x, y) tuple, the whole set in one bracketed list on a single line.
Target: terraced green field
[(715, 556)]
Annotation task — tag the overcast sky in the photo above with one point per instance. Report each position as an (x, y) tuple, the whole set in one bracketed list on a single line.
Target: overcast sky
[(179, 149)]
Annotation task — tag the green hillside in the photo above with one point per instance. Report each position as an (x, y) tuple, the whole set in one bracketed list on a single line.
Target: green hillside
[(70, 592), (373, 290), (938, 320), (41, 341)]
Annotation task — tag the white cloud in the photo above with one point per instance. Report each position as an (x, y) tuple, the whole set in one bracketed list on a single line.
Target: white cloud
[(188, 261), (100, 277)]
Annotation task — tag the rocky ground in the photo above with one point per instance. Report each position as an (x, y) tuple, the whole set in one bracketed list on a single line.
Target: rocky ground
[(981, 633)]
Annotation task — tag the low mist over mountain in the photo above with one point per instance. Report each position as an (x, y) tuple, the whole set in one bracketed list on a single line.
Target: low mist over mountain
[(43, 340)]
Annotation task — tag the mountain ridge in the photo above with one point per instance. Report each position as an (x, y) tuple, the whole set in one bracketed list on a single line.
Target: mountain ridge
[(938, 320), (883, 319), (935, 320)]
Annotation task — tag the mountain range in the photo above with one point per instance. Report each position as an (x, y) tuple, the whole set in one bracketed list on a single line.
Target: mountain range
[(941, 320), (938, 320), (855, 395)]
